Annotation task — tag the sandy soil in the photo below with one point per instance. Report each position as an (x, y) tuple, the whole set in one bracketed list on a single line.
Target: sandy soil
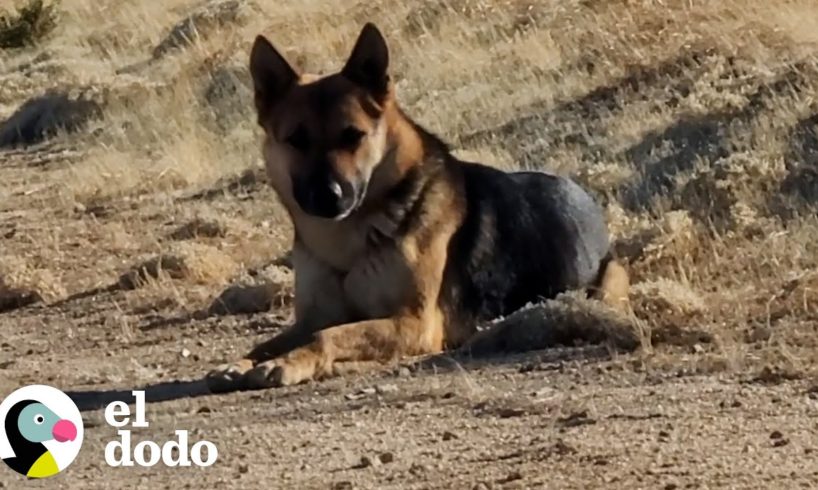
[(565, 418)]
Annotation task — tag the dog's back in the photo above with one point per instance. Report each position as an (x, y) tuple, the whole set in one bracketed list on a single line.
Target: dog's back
[(525, 236)]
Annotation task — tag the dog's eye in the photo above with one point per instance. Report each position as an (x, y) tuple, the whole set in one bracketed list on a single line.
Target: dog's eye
[(350, 137), (299, 139)]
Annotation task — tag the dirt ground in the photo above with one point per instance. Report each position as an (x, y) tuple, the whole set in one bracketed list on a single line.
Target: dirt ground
[(556, 419), (140, 245)]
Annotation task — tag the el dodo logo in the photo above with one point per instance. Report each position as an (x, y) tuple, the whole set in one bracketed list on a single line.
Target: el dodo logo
[(149, 453), (40, 431), (41, 434)]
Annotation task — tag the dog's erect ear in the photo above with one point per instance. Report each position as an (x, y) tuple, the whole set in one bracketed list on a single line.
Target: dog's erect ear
[(367, 65), (272, 75)]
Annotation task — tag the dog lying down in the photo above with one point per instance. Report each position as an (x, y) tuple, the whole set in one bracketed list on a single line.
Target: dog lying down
[(400, 249)]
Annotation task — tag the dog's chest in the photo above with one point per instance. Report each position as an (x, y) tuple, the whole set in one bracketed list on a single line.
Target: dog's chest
[(374, 280), (338, 244)]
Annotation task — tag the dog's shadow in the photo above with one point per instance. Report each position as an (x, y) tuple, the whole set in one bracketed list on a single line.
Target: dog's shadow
[(90, 400), (567, 322), (160, 392)]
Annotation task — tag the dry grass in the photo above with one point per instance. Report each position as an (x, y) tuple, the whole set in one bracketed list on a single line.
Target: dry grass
[(694, 121), (25, 27)]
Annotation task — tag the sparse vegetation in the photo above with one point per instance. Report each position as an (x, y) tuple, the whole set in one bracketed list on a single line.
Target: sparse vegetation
[(30, 24), (694, 122)]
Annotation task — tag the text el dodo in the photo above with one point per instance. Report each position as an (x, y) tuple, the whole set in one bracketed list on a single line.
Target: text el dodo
[(149, 453)]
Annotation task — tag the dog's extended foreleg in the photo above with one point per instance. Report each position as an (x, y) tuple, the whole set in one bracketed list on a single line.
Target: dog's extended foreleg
[(373, 340)]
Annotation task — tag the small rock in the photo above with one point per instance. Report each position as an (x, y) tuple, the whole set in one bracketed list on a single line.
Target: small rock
[(448, 436), (362, 393), (698, 349), (386, 388), (243, 469), (342, 485), (367, 462), (508, 412), (778, 439), (205, 409), (242, 300), (513, 476), (576, 419), (98, 210), (185, 353), (386, 458), (562, 448), (404, 372), (733, 404)]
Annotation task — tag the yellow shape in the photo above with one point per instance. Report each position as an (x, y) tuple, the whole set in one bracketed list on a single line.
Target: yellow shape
[(44, 467)]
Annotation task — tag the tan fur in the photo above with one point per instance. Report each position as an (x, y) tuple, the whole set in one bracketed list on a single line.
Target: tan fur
[(613, 286)]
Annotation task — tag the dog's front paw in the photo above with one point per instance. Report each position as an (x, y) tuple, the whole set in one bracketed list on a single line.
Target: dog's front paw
[(229, 377), (280, 372)]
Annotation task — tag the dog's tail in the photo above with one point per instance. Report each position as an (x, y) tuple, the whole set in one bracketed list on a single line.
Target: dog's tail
[(612, 283)]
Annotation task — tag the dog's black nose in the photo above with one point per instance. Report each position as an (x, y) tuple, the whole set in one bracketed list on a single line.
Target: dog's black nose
[(326, 196)]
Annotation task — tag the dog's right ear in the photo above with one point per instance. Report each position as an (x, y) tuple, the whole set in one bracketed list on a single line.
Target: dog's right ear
[(272, 75), (368, 64)]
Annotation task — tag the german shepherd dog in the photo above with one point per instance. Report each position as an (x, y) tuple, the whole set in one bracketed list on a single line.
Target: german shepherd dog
[(400, 249)]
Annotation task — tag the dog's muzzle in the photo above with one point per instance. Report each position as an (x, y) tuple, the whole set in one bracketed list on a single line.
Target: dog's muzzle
[(327, 196)]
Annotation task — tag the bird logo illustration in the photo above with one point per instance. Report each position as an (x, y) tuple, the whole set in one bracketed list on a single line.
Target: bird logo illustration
[(40, 443)]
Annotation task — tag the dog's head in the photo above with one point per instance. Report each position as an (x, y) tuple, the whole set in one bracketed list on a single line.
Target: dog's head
[(324, 136)]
